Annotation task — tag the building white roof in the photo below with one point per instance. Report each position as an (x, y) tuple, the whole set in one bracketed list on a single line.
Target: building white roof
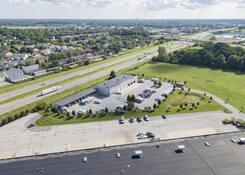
[(116, 81)]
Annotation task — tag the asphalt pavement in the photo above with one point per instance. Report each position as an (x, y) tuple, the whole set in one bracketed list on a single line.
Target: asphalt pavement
[(222, 157)]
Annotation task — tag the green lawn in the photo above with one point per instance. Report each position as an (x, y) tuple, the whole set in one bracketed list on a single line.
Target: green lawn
[(222, 83), (170, 106)]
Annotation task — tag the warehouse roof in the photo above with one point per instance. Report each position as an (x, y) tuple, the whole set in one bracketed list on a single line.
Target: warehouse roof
[(116, 81), (75, 97), (32, 68)]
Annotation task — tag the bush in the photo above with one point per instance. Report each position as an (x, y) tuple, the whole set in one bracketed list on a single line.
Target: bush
[(4, 122), (9, 119), (16, 116), (41, 106), (27, 111), (227, 121), (154, 106), (106, 110), (22, 113)]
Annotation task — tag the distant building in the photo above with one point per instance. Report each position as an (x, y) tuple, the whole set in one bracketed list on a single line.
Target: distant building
[(74, 99), (6, 54), (16, 75), (116, 85), (2, 77), (34, 70), (46, 52), (19, 57)]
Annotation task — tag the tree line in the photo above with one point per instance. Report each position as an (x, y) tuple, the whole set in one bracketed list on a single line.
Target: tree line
[(209, 54)]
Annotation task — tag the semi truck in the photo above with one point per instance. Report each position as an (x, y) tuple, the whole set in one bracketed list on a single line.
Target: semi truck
[(50, 90)]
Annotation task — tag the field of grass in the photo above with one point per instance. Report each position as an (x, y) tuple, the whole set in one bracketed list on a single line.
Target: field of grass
[(170, 106), (222, 83), (12, 87)]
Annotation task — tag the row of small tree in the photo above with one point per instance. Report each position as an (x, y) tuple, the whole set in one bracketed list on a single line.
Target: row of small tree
[(23, 113)]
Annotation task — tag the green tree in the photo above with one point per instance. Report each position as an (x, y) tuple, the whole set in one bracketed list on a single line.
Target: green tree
[(106, 110), (112, 74)]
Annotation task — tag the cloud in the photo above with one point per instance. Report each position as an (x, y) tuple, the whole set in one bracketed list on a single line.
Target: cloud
[(150, 5)]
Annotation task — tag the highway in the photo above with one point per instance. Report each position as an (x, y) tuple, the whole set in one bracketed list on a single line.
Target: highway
[(57, 79), (25, 101)]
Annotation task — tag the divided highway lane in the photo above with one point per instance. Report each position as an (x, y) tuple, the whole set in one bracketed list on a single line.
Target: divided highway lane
[(26, 89), (25, 101)]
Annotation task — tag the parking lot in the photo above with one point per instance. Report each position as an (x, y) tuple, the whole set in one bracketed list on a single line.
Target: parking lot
[(22, 141), (222, 157), (99, 102)]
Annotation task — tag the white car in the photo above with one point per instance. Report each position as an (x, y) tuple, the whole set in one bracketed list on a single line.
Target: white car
[(207, 144), (118, 93), (233, 140), (146, 118), (118, 155), (85, 159)]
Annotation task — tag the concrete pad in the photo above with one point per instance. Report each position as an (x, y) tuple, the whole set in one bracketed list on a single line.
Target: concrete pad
[(7, 154)]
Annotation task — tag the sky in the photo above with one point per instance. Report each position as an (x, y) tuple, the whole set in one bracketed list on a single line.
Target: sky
[(122, 9)]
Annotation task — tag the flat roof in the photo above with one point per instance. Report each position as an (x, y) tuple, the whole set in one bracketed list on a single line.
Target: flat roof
[(75, 97), (116, 81), (222, 157)]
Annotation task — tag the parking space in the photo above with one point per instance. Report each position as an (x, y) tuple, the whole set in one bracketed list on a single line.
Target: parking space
[(149, 94)]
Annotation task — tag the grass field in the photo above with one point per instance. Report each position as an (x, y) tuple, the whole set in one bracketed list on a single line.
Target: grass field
[(170, 106), (222, 83)]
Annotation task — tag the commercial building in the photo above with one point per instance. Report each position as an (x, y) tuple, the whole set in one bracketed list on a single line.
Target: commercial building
[(16, 75), (74, 99), (117, 84), (34, 70)]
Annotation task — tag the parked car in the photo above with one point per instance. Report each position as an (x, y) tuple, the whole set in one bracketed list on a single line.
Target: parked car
[(157, 99), (207, 144), (85, 159), (31, 125), (150, 135), (164, 117), (122, 120), (139, 119), (96, 102), (118, 155), (118, 93), (146, 118), (131, 120)]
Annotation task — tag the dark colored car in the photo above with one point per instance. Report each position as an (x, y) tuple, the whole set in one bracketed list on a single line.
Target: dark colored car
[(164, 117), (150, 135), (139, 119)]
